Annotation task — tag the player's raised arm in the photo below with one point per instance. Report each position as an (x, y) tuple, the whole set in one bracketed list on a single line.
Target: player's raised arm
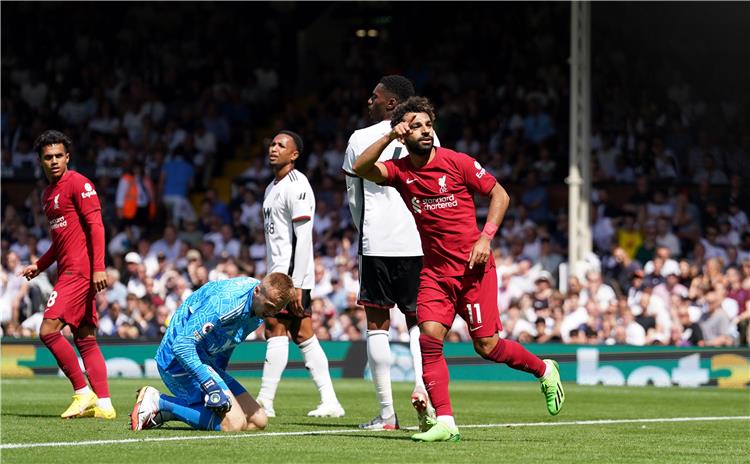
[(367, 165), (499, 201)]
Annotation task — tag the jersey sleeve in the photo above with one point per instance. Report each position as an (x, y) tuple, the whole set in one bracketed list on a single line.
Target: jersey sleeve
[(350, 157), (477, 179), (301, 201), (392, 173), (205, 315), (84, 196), (86, 202)]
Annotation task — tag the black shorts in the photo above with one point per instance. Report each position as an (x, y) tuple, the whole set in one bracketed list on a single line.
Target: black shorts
[(286, 313), (385, 281)]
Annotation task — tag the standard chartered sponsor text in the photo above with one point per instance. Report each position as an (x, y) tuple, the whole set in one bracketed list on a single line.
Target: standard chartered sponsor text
[(447, 201), (58, 222)]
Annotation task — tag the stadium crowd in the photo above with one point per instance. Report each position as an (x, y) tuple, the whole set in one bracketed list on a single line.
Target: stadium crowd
[(671, 261)]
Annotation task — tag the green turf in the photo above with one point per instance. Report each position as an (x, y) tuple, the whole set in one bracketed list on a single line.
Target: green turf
[(30, 410)]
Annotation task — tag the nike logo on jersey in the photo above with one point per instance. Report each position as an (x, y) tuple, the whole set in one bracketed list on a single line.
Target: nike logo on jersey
[(473, 329), (409, 181)]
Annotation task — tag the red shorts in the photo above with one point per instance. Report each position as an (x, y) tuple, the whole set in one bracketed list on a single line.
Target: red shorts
[(73, 300), (473, 297)]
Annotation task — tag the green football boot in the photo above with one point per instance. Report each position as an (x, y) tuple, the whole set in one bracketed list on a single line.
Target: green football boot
[(552, 388), (438, 432)]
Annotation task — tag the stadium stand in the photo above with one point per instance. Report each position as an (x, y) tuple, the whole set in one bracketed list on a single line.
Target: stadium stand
[(188, 120)]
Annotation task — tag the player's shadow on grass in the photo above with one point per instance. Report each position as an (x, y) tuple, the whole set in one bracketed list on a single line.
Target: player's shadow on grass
[(324, 424), (32, 415), (378, 436), (179, 428)]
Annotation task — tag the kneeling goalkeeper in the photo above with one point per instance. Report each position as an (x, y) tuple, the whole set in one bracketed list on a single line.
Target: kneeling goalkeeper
[(195, 351)]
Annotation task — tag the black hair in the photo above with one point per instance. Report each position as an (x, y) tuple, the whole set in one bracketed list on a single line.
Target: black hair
[(51, 137), (399, 86), (297, 140), (412, 105)]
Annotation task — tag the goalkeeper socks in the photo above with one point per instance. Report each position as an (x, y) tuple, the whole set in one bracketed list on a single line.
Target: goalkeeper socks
[(416, 356), (195, 415), (379, 357), (436, 376), (317, 363), (66, 358), (277, 355), (517, 357), (96, 369)]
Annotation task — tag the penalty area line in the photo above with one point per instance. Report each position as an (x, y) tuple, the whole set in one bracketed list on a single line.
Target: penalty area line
[(230, 436)]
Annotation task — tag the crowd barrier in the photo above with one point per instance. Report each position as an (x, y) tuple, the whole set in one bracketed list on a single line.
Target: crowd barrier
[(661, 366)]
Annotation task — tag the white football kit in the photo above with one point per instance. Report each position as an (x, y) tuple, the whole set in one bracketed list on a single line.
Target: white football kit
[(288, 212)]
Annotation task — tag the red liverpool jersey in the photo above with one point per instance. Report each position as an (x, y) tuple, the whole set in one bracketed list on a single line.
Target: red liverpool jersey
[(66, 204), (440, 197)]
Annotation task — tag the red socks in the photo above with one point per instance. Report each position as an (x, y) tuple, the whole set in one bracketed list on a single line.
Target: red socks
[(517, 357), (96, 369), (66, 358), (435, 374)]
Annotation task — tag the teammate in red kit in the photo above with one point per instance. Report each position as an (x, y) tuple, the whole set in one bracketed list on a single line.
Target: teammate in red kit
[(77, 233), (437, 185)]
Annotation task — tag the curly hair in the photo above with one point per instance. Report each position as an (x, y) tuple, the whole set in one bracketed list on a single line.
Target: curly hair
[(51, 137), (399, 86), (412, 105)]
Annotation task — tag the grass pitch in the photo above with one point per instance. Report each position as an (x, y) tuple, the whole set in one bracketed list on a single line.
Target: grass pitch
[(499, 422)]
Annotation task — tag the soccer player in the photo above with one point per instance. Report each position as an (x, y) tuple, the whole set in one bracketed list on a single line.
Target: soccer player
[(288, 211), (77, 233), (390, 255), (194, 353), (458, 276)]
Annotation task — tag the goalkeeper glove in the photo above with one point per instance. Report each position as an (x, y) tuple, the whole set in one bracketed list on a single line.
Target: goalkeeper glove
[(216, 398)]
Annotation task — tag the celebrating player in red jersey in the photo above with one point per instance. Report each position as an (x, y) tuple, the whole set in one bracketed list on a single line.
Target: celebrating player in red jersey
[(458, 276), (77, 233)]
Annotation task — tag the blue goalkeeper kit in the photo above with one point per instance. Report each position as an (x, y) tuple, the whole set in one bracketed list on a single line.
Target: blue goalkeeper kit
[(202, 334)]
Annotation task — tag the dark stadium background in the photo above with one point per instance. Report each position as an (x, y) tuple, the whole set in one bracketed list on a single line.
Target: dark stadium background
[(667, 71)]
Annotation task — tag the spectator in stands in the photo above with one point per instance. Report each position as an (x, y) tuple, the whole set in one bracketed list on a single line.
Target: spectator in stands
[(13, 289), (598, 291), (536, 199), (116, 292), (135, 197), (715, 323), (174, 184), (537, 125)]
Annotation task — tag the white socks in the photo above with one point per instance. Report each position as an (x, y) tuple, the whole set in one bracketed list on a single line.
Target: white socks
[(547, 370), (277, 355), (317, 363), (83, 391), (416, 356), (379, 357), (104, 403), (447, 420)]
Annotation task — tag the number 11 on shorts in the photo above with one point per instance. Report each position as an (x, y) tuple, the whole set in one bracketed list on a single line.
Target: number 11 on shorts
[(471, 308)]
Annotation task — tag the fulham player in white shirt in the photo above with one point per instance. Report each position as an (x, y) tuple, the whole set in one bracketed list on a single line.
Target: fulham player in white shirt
[(288, 212)]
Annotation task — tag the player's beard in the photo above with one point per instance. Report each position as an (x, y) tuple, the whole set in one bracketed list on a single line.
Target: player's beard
[(415, 147)]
